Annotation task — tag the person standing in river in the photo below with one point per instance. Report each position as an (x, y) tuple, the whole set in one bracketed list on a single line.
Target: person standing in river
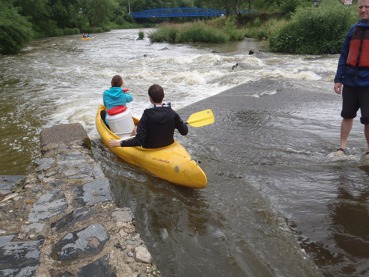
[(352, 77)]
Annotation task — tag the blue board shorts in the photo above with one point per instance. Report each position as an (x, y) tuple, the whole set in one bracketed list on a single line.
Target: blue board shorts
[(355, 98)]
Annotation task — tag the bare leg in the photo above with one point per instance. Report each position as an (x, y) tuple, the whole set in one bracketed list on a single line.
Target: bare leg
[(366, 132), (346, 127)]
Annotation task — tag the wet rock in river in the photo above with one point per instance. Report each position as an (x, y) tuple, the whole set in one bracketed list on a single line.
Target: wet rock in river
[(93, 192)]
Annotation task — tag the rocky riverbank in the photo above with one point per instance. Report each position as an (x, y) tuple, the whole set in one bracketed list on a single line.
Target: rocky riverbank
[(61, 220)]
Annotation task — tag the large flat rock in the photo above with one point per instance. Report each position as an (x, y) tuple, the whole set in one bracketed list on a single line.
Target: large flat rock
[(63, 133)]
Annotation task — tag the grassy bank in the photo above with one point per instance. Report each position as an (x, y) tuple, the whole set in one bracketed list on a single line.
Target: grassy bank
[(220, 30), (307, 30)]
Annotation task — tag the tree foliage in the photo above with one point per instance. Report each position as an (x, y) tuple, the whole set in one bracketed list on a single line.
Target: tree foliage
[(15, 30), (22, 20), (58, 17), (314, 30), (231, 7)]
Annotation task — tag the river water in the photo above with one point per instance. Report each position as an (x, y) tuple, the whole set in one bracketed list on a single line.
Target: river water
[(275, 204)]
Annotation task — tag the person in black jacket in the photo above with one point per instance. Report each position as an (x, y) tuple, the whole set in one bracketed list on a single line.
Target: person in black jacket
[(157, 124)]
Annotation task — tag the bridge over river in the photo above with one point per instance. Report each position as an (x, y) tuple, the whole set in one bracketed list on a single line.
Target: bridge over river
[(179, 12)]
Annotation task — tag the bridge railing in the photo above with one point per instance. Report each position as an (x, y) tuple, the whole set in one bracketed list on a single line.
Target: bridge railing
[(177, 12)]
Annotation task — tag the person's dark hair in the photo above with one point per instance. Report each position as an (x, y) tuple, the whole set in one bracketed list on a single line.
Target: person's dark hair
[(117, 81), (156, 93)]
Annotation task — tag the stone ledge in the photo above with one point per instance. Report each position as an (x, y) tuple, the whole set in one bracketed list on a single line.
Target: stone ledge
[(61, 221)]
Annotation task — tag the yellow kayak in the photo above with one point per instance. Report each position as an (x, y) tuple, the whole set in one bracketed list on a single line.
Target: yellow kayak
[(172, 163), (88, 38)]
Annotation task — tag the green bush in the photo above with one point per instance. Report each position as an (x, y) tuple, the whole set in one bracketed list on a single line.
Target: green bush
[(262, 31), (217, 22), (201, 33), (212, 31), (141, 35), (257, 22), (231, 30), (288, 7), (160, 35), (314, 30), (172, 35), (71, 31)]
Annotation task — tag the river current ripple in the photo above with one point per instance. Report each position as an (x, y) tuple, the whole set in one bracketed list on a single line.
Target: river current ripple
[(275, 204)]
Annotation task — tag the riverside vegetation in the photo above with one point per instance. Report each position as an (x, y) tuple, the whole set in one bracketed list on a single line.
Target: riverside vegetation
[(290, 26), (304, 30)]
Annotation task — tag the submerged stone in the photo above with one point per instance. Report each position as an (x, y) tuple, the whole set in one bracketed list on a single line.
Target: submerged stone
[(92, 193)]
